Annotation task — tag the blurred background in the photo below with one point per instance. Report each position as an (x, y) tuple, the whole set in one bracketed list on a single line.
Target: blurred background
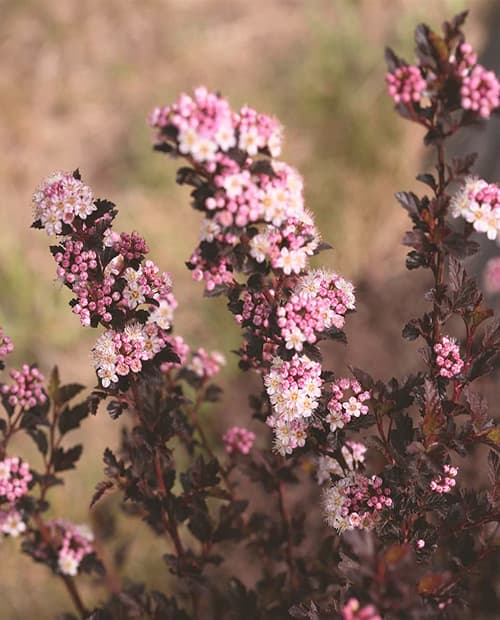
[(77, 80)]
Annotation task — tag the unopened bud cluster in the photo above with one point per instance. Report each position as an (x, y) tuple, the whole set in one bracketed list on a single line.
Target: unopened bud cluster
[(238, 439), (27, 390), (448, 358), (479, 88), (446, 482), (6, 345)]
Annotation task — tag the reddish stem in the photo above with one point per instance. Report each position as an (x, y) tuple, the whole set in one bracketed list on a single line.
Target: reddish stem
[(289, 545), (68, 581)]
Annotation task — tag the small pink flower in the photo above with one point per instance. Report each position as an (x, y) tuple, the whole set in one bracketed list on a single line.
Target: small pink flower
[(6, 345), (352, 610), (491, 276)]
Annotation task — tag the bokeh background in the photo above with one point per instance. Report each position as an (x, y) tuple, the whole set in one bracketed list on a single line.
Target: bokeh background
[(77, 80)]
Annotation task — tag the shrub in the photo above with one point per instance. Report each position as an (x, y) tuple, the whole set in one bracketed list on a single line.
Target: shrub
[(394, 532)]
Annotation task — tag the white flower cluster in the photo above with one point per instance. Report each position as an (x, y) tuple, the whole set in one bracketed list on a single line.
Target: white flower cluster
[(60, 199), (11, 523), (478, 202), (294, 388)]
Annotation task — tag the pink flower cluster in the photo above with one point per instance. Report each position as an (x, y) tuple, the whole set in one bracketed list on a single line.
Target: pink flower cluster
[(294, 388), (238, 439), (206, 365), (352, 610), (206, 128), (6, 345), (478, 202), (342, 407), (355, 502), (255, 223), (60, 199), (15, 477), (102, 297), (318, 303), (74, 542), (180, 348), (287, 248), (242, 197), (131, 247), (256, 311), (479, 88), (214, 271), (444, 483), (27, 391), (491, 276), (480, 91), (448, 358), (112, 282), (406, 84), (238, 193), (74, 263), (118, 353)]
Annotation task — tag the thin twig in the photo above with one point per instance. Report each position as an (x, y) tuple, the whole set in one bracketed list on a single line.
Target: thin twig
[(288, 536)]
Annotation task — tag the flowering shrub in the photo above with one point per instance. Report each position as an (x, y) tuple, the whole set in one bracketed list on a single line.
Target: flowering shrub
[(394, 532)]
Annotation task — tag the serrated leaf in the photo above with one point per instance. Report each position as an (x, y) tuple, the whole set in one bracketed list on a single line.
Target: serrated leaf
[(66, 459), (66, 392), (363, 377), (40, 439), (115, 408), (70, 418), (411, 330), (428, 179), (393, 62), (433, 421), (105, 487), (411, 203), (414, 260)]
